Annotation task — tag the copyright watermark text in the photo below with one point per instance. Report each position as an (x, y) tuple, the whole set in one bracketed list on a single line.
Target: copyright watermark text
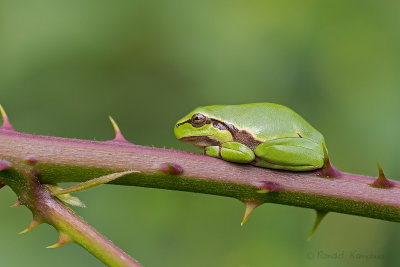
[(344, 255)]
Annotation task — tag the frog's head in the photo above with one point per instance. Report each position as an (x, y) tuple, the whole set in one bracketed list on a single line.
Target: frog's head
[(201, 129)]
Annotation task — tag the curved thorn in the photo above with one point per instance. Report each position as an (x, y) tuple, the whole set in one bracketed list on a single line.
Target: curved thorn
[(31, 160), (35, 222), (250, 206), (320, 216), (328, 170), (118, 134), (16, 204), (381, 181), (6, 122), (381, 174), (63, 240), (56, 245)]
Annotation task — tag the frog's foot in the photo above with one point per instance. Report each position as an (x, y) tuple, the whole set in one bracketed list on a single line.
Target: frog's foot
[(231, 151), (294, 154)]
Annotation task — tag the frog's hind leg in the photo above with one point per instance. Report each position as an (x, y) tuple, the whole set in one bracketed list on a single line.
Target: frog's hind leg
[(292, 153)]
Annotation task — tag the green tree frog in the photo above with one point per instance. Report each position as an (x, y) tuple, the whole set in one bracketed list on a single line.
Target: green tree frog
[(262, 134)]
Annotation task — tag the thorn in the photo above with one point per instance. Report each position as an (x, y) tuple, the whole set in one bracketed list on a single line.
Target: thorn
[(320, 216), (16, 204), (64, 238), (1, 185), (118, 134), (268, 186), (31, 160), (328, 170), (171, 168), (250, 206), (6, 122), (381, 181), (4, 165), (35, 222)]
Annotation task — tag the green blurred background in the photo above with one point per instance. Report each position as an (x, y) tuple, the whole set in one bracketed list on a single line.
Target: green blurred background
[(66, 65)]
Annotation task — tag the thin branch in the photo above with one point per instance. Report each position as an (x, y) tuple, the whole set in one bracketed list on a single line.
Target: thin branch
[(46, 209)]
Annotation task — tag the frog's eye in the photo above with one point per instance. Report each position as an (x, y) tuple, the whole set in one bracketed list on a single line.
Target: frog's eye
[(198, 120)]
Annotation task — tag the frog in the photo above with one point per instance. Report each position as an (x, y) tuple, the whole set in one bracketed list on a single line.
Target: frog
[(266, 135)]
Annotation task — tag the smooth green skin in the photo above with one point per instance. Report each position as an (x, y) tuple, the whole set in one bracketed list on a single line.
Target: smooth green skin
[(284, 140)]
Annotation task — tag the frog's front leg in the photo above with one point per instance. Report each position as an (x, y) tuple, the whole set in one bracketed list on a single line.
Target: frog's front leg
[(231, 151), (295, 154)]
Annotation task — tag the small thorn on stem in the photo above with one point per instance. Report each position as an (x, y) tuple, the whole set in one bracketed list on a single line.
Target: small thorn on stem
[(6, 122), (381, 181), (320, 216), (16, 204), (328, 170), (250, 206), (31, 160), (63, 240), (268, 186), (35, 222), (118, 134), (4, 165), (171, 168)]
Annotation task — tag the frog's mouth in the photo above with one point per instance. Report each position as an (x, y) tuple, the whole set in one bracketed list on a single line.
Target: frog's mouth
[(200, 141)]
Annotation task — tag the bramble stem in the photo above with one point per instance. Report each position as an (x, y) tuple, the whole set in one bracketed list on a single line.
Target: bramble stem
[(71, 160)]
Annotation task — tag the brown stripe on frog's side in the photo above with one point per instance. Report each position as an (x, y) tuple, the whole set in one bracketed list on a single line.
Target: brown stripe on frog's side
[(240, 136)]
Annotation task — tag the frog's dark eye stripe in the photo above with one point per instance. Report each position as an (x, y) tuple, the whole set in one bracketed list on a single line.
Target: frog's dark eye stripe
[(197, 120), (179, 124)]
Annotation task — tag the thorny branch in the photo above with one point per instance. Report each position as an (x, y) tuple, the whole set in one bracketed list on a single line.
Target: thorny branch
[(326, 190)]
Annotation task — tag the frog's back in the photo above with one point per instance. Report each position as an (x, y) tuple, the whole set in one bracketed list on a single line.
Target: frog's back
[(266, 121)]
